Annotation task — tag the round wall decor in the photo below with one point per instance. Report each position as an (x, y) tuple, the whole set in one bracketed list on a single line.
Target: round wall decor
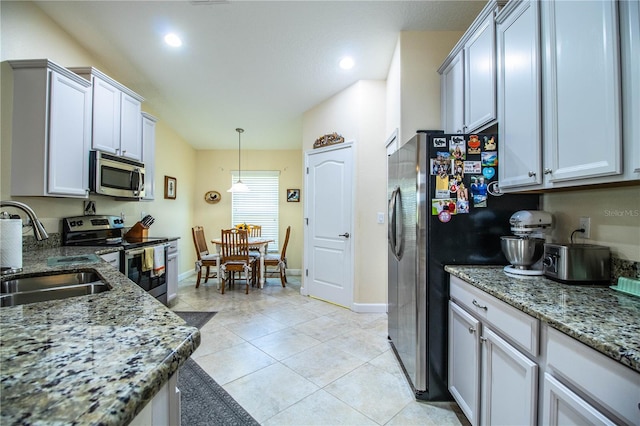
[(212, 197)]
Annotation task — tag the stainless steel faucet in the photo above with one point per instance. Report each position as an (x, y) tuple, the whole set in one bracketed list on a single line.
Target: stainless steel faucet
[(38, 230)]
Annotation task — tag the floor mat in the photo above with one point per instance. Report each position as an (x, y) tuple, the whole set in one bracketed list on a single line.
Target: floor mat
[(204, 402)]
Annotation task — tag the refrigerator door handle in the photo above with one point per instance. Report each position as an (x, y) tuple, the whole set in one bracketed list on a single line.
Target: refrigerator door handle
[(392, 221), (396, 225)]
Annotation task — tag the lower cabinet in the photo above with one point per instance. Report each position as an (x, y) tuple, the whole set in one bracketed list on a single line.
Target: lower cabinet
[(163, 409), (490, 376), (112, 258), (172, 271)]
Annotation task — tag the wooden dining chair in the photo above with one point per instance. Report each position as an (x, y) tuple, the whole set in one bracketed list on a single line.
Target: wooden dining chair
[(279, 260), (235, 257), (255, 230), (205, 259)]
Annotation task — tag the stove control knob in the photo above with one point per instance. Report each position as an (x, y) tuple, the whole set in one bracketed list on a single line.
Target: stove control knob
[(80, 223), (72, 223)]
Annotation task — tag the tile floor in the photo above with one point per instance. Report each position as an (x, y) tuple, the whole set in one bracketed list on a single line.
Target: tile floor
[(294, 360)]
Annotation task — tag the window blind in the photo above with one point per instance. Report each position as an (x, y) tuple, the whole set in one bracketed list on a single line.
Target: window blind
[(259, 206)]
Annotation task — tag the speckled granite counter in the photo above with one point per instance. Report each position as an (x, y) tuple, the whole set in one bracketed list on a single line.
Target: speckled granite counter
[(91, 359), (600, 317)]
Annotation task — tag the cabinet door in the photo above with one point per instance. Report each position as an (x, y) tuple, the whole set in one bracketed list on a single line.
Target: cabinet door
[(510, 383), (172, 276), (130, 128), (452, 102), (519, 96), (464, 361), (630, 46), (69, 132), (581, 89), (563, 407), (113, 259), (149, 155), (480, 76), (106, 116)]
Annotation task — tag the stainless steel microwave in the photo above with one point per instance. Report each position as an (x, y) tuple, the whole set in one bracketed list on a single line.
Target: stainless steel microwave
[(116, 176)]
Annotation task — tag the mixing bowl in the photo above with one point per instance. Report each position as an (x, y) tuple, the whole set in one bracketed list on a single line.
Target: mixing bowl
[(522, 252)]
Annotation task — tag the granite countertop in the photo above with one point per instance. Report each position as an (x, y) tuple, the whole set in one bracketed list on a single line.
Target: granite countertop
[(602, 318), (94, 359)]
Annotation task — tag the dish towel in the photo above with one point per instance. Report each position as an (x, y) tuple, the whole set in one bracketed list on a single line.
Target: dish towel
[(158, 260), (147, 259)]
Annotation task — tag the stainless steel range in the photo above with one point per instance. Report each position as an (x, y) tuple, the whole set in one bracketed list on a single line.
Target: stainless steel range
[(103, 231)]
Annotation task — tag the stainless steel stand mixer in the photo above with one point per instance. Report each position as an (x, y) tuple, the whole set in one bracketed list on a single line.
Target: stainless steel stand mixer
[(525, 248)]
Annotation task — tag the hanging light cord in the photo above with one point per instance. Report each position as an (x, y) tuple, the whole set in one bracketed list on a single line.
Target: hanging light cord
[(239, 130)]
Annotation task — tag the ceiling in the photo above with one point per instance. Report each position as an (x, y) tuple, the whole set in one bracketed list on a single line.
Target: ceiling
[(258, 65)]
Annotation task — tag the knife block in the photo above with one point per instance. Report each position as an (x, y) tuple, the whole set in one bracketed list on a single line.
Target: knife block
[(137, 232)]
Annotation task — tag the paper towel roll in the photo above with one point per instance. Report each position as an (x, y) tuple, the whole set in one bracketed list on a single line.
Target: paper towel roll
[(11, 243)]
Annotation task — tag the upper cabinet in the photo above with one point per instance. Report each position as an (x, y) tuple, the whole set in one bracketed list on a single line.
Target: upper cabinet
[(468, 77), (117, 128), (567, 93), (51, 130), (519, 94), (149, 154)]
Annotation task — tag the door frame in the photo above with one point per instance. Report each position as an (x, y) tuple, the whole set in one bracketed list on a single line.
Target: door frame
[(350, 146)]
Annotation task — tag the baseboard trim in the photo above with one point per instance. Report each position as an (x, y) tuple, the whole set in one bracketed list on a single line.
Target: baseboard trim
[(369, 308)]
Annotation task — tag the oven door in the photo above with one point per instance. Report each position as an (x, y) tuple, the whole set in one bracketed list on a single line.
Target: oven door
[(132, 267)]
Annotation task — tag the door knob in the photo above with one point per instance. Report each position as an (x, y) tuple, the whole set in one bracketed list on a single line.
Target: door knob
[(346, 235)]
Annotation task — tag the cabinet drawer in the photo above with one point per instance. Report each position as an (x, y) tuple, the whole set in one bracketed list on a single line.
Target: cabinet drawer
[(611, 384), (520, 328)]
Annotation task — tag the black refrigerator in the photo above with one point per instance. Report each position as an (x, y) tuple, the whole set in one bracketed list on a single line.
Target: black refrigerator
[(445, 208)]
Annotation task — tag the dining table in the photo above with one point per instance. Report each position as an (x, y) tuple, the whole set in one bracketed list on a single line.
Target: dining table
[(255, 243)]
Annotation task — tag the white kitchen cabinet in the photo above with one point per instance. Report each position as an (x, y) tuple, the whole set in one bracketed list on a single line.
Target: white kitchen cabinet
[(452, 95), (630, 63), (172, 270), (611, 389), (581, 90), (480, 74), (588, 98), (493, 375), (468, 76), (564, 407), (519, 94), (51, 131), (149, 154), (117, 128), (509, 394), (464, 361), (164, 409), (112, 258)]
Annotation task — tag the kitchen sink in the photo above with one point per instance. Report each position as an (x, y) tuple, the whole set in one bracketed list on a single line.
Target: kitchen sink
[(41, 288)]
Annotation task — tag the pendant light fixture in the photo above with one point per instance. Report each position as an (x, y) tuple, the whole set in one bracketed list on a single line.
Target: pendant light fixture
[(239, 186)]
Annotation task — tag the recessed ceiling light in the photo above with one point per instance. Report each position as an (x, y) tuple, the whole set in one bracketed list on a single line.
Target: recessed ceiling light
[(173, 40), (346, 63)]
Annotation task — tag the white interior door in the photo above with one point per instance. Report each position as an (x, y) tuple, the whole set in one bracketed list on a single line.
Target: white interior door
[(329, 230)]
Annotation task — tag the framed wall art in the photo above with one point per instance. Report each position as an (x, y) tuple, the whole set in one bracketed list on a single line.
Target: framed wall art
[(293, 195), (170, 187)]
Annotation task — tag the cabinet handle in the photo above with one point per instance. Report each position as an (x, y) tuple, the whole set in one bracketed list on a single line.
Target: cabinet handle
[(532, 174), (548, 171), (483, 339), (476, 304), (472, 330)]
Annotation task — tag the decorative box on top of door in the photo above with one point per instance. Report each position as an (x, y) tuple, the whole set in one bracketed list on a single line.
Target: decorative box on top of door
[(117, 127)]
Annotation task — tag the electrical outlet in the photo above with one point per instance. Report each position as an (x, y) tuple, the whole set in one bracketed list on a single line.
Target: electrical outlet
[(585, 223)]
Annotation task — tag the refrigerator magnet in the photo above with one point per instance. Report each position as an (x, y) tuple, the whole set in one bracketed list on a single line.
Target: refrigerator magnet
[(474, 145), (489, 159), (457, 148), (489, 172), (462, 206), (472, 167), (489, 143), (439, 142)]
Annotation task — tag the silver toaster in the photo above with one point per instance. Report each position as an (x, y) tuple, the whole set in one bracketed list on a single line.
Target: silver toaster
[(577, 263)]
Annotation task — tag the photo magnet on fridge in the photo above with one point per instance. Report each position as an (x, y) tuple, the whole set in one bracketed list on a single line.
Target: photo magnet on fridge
[(489, 159), (457, 148)]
